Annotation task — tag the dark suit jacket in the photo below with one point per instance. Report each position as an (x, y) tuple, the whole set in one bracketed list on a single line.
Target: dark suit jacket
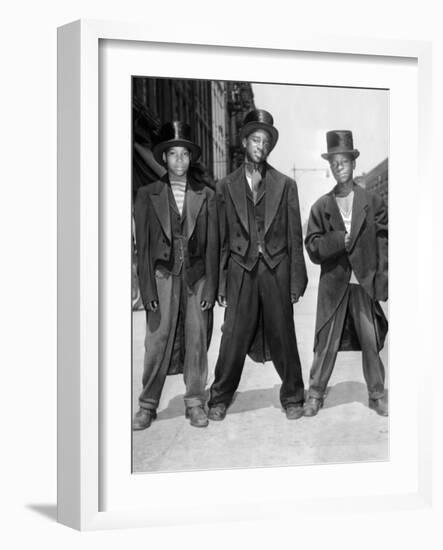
[(282, 235), (282, 228), (367, 255), (154, 236)]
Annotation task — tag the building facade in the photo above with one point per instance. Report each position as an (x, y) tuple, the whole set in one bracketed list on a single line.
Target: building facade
[(219, 128), (214, 109), (377, 180), (159, 100), (240, 100)]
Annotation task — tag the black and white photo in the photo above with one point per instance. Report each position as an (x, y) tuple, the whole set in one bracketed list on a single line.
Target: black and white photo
[(259, 274)]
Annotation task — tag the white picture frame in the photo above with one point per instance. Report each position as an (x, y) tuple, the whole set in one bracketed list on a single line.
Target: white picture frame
[(80, 293)]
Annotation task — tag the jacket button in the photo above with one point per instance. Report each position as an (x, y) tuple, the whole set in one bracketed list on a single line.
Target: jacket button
[(165, 255), (238, 248)]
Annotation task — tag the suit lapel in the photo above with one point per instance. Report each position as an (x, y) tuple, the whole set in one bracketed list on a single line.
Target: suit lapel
[(274, 191), (185, 209), (261, 191), (160, 203), (193, 203), (359, 211), (237, 190), (172, 201), (333, 213)]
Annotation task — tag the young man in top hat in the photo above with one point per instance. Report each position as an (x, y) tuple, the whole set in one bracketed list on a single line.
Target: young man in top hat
[(348, 236), (262, 269), (177, 245)]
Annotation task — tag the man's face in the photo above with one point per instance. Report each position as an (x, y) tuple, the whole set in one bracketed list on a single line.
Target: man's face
[(257, 146), (177, 160), (342, 166)]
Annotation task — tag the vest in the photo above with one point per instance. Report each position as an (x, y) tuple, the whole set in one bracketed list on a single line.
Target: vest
[(179, 242), (256, 221)]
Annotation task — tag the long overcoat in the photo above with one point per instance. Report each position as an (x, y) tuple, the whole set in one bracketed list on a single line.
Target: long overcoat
[(282, 235), (367, 257), (152, 215)]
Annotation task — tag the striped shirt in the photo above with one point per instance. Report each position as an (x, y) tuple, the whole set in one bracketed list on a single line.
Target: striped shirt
[(178, 189)]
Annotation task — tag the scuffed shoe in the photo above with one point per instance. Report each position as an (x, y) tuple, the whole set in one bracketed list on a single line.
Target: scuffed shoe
[(294, 412), (379, 406), (313, 405), (143, 419), (197, 416), (217, 412)]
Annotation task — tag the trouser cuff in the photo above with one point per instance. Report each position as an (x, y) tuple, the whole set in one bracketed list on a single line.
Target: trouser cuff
[(376, 395), (316, 394), (194, 402), (148, 405), (292, 401)]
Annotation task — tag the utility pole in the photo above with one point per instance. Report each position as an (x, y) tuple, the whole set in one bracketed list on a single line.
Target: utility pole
[(295, 170)]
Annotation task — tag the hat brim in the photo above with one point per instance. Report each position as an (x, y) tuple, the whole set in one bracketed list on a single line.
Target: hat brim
[(253, 126), (160, 148), (353, 152)]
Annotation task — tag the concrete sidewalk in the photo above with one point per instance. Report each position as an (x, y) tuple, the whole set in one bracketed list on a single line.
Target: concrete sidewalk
[(256, 432)]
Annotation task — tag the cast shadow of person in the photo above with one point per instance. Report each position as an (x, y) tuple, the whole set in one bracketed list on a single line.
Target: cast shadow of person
[(343, 393), (263, 398), (243, 401)]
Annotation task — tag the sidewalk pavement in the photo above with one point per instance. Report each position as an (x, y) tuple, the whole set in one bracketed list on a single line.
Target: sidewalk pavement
[(255, 432)]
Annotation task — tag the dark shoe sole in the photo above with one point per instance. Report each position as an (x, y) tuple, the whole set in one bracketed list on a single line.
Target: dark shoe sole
[(139, 428), (199, 425)]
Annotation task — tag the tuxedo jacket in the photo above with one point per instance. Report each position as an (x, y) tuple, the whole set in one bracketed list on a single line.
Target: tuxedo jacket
[(154, 238), (282, 226)]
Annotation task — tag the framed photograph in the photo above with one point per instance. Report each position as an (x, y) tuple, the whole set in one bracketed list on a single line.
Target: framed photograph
[(163, 389), (135, 435)]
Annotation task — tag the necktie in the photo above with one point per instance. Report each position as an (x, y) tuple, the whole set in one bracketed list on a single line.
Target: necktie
[(256, 178)]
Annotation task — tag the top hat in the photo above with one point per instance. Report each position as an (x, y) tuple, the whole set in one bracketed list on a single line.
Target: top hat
[(340, 141), (259, 119), (175, 134)]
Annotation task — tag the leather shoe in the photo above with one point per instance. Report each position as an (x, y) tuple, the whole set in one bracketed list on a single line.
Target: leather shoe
[(293, 412), (197, 416), (217, 412), (143, 419), (313, 405), (379, 406)]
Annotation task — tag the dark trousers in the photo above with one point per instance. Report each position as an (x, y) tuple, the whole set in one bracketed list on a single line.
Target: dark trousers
[(176, 298), (249, 294), (359, 305)]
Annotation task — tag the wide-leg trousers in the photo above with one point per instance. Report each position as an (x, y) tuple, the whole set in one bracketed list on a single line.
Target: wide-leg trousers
[(357, 303), (162, 330), (265, 292)]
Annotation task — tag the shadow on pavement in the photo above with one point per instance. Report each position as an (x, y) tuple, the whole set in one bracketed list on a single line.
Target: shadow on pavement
[(346, 392), (252, 400), (175, 408)]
